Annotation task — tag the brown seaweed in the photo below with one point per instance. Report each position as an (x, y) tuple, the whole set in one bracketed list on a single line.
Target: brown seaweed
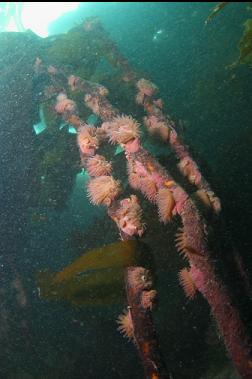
[(245, 44), (96, 278), (216, 10)]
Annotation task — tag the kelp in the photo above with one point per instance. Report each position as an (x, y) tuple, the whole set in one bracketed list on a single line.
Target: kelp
[(245, 44), (96, 278), (93, 288), (216, 10)]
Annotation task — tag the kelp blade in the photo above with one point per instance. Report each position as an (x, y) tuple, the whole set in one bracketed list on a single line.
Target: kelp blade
[(96, 278), (117, 254)]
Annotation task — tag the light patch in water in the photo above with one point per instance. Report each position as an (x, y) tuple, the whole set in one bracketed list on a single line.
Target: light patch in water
[(41, 125), (38, 15), (92, 119), (72, 130), (118, 150)]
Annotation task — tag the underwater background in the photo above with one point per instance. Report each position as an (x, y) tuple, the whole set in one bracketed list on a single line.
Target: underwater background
[(47, 221)]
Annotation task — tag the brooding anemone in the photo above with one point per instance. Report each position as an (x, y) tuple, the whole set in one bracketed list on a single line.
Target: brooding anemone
[(146, 177), (73, 82), (103, 190), (189, 168), (87, 140), (187, 283), (157, 127), (125, 130), (126, 325), (166, 204), (64, 105), (98, 166), (149, 299), (128, 216), (93, 103), (183, 245), (145, 88), (139, 278)]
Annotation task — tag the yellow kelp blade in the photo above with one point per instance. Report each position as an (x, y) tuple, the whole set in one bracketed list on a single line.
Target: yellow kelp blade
[(100, 287), (117, 254), (96, 278)]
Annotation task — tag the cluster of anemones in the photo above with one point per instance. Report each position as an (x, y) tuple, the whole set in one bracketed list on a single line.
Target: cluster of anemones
[(99, 105), (97, 166), (189, 168), (146, 176), (92, 102), (87, 139), (103, 190), (124, 130), (148, 301), (128, 216), (64, 105), (184, 245), (145, 88), (180, 197), (102, 91), (157, 127), (140, 279), (209, 199)]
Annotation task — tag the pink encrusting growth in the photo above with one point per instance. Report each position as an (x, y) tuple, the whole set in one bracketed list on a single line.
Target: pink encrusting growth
[(103, 190), (204, 277), (227, 317)]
